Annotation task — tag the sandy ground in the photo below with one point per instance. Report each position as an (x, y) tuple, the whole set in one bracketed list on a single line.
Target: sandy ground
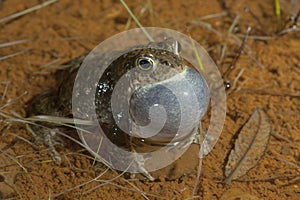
[(269, 79)]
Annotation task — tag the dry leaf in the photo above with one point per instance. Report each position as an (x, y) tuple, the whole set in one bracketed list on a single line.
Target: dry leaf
[(249, 146), (8, 171)]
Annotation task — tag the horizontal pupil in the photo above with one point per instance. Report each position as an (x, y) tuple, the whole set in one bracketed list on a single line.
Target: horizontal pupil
[(145, 63)]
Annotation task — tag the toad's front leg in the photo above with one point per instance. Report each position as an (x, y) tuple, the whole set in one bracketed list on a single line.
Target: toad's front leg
[(44, 133), (47, 137), (203, 139)]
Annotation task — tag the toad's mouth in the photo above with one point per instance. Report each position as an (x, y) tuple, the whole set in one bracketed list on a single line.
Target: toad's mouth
[(169, 110)]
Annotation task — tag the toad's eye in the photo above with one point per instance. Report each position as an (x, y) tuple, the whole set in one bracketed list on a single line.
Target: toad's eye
[(145, 63)]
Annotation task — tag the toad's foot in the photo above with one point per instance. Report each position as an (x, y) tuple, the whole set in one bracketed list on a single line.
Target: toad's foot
[(47, 137), (139, 163), (206, 139)]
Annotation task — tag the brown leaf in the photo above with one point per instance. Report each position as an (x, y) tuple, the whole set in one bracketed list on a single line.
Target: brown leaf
[(8, 171), (249, 146)]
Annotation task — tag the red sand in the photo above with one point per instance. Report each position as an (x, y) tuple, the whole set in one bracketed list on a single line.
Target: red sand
[(64, 30)]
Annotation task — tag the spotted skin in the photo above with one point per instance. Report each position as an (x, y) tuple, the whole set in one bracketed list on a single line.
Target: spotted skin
[(58, 102)]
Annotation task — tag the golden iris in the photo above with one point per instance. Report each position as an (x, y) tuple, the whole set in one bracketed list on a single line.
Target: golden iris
[(145, 63)]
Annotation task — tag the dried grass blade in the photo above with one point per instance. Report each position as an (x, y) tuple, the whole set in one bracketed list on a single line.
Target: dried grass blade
[(29, 10)]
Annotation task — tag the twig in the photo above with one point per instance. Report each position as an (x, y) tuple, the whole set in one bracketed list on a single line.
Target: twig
[(24, 12), (224, 44), (200, 157), (272, 93), (280, 137), (151, 11), (49, 64), (135, 187), (10, 101), (26, 121), (11, 55), (136, 21), (272, 37), (141, 13), (284, 176), (235, 81), (59, 120), (207, 26), (11, 144), (216, 15), (295, 19), (242, 84), (289, 163), (297, 179), (285, 31), (12, 43), (259, 37), (240, 50), (14, 159), (80, 185), (237, 78), (105, 182), (24, 140), (4, 92), (255, 60), (248, 10)]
